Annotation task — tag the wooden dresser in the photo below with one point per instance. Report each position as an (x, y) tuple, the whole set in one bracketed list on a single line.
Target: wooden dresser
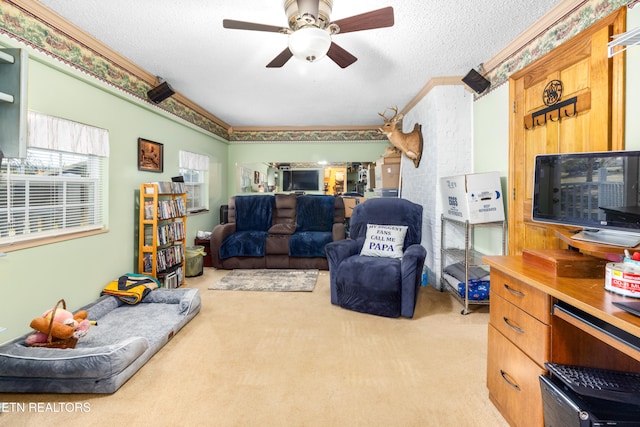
[(528, 326)]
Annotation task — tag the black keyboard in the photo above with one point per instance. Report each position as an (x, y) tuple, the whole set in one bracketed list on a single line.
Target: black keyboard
[(617, 386)]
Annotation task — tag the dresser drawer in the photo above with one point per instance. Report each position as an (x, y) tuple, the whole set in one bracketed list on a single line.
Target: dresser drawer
[(529, 299), (522, 329), (512, 380)]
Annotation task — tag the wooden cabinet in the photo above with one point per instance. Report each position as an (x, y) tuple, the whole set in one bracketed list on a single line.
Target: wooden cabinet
[(519, 345), (525, 331), (539, 317), (529, 299), (512, 379), (162, 231)]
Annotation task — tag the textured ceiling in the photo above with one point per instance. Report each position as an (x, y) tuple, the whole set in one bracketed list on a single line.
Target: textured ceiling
[(224, 71)]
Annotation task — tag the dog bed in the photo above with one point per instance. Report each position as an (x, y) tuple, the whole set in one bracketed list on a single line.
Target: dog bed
[(124, 339)]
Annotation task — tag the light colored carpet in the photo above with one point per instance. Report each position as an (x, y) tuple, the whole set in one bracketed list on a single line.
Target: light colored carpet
[(293, 359), (274, 280)]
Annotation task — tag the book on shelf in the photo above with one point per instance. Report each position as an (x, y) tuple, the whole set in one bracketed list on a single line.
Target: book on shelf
[(148, 263), (169, 257), (171, 232), (168, 280), (168, 209), (171, 278), (148, 209), (166, 187), (148, 235)]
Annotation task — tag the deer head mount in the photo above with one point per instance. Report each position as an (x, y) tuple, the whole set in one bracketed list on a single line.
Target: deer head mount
[(409, 143)]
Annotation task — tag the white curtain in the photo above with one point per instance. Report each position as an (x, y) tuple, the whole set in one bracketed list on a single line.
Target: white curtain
[(190, 160), (54, 133)]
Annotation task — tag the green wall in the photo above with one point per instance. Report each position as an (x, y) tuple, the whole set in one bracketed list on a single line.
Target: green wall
[(32, 280), (632, 130), (491, 153), (491, 132)]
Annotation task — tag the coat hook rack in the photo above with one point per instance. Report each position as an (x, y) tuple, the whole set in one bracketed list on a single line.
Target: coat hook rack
[(556, 109), (547, 113)]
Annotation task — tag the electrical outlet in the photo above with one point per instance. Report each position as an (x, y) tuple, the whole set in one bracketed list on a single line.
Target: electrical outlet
[(2, 329)]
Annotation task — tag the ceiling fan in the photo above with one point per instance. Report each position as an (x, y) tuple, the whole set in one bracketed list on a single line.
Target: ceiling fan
[(310, 30)]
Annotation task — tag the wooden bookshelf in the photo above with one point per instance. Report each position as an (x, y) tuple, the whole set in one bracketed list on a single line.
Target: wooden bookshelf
[(162, 232)]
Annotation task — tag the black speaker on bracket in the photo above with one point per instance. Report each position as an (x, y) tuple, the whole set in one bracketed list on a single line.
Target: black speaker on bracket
[(475, 81), (160, 92)]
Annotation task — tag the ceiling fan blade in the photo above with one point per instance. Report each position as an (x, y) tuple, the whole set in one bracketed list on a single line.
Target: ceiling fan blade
[(309, 7), (281, 59), (367, 21), (241, 25), (340, 56)]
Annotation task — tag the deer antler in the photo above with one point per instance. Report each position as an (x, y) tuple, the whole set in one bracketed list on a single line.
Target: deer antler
[(395, 117)]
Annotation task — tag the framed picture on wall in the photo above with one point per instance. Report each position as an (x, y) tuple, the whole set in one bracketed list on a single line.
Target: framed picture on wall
[(150, 156)]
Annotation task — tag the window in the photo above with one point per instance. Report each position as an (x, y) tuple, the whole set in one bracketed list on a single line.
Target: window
[(53, 192), (194, 168)]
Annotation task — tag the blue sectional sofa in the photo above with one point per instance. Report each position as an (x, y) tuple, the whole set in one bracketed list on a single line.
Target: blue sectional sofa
[(278, 231), (124, 339)]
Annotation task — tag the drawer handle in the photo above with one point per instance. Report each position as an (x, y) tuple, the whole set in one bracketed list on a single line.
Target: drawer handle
[(513, 291), (512, 325), (508, 381)]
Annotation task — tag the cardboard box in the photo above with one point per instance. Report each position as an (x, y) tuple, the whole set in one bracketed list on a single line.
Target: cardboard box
[(565, 263), (387, 174), (474, 197), (350, 202), (389, 159)]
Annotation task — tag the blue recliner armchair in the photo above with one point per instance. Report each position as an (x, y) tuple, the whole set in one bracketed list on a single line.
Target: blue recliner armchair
[(378, 285)]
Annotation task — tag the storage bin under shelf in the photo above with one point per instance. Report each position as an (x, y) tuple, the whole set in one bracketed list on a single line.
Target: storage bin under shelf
[(467, 256)]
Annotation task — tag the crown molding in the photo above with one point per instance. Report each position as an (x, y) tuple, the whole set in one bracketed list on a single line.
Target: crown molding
[(434, 82), (316, 134), (67, 34), (51, 18), (555, 15), (38, 12), (544, 23), (566, 19), (63, 34)]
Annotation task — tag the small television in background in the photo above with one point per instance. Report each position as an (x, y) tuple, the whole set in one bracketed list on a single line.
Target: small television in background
[(301, 180), (598, 191)]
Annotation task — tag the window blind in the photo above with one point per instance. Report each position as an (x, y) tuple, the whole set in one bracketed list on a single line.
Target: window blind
[(188, 160), (58, 188), (194, 169)]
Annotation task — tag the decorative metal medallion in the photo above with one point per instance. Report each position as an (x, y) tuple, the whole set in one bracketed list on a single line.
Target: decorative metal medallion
[(552, 92), (555, 109)]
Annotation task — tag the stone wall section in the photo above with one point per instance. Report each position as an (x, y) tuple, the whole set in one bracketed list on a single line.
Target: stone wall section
[(446, 116)]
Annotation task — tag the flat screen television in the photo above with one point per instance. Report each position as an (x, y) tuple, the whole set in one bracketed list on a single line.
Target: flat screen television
[(598, 191), (301, 180)]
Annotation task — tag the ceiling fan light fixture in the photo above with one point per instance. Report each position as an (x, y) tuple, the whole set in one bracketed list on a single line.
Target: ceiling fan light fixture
[(309, 43)]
